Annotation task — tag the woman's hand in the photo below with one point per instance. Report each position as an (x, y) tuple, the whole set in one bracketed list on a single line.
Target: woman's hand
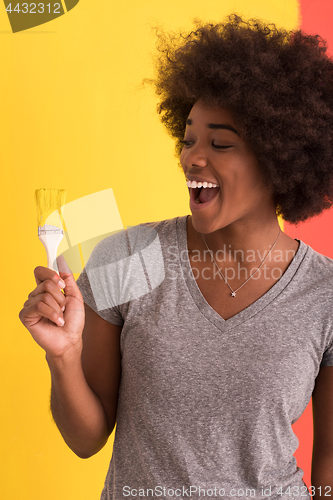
[(54, 318)]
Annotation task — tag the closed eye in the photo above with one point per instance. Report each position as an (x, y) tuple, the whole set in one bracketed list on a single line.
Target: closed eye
[(186, 143), (220, 147), (216, 146)]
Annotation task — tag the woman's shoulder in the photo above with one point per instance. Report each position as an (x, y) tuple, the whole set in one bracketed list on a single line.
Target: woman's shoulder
[(317, 267), (133, 239), (165, 224), (321, 262)]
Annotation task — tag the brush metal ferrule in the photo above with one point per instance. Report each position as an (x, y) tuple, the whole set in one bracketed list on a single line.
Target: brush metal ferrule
[(47, 229)]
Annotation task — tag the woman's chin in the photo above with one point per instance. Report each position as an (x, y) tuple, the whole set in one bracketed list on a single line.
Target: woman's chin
[(202, 224)]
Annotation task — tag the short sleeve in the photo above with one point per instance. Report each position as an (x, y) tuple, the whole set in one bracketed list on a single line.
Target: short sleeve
[(123, 267), (112, 315), (327, 359)]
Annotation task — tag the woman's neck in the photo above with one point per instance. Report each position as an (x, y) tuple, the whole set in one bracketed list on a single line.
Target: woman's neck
[(246, 247)]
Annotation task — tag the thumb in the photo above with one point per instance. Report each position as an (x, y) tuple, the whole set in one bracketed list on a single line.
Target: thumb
[(66, 274), (62, 265)]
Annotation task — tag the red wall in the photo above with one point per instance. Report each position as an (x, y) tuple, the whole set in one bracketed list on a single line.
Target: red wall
[(315, 18)]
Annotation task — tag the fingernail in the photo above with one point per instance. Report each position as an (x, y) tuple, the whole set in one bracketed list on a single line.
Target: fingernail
[(63, 308), (61, 321), (61, 283)]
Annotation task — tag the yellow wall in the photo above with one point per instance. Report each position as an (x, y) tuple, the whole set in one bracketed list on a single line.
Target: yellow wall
[(73, 117)]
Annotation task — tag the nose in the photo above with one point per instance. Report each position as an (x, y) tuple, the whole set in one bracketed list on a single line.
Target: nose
[(195, 157)]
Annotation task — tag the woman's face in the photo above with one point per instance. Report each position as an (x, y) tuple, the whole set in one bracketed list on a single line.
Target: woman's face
[(215, 152)]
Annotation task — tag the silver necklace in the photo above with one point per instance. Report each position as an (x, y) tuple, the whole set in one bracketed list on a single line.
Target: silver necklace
[(233, 292)]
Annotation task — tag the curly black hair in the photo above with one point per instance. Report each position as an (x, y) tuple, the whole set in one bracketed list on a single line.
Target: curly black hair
[(278, 84)]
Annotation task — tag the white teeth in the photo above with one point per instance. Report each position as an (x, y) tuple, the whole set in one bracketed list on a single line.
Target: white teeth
[(195, 184)]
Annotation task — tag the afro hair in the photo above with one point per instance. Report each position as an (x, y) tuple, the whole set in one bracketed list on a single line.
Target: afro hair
[(278, 84)]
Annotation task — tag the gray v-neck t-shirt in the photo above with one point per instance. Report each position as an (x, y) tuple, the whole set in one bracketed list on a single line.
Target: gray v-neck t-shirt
[(206, 405)]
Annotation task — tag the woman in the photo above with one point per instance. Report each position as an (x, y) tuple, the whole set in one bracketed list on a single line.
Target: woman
[(207, 335)]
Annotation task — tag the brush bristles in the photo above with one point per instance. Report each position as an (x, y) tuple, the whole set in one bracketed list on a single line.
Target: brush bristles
[(49, 201)]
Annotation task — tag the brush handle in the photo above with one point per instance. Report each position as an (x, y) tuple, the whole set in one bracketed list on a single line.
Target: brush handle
[(51, 243)]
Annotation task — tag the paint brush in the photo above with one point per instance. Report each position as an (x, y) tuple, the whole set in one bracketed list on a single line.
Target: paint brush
[(49, 202)]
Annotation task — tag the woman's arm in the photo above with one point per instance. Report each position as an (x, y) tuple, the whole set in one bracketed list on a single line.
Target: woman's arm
[(85, 390), (322, 456), (83, 354)]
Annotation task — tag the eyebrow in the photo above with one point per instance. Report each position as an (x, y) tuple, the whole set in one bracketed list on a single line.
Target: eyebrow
[(215, 126)]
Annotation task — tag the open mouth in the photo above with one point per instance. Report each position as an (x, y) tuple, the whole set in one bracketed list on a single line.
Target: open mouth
[(202, 192), (202, 195)]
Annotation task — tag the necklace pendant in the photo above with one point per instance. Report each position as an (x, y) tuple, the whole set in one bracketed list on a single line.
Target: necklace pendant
[(233, 294)]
